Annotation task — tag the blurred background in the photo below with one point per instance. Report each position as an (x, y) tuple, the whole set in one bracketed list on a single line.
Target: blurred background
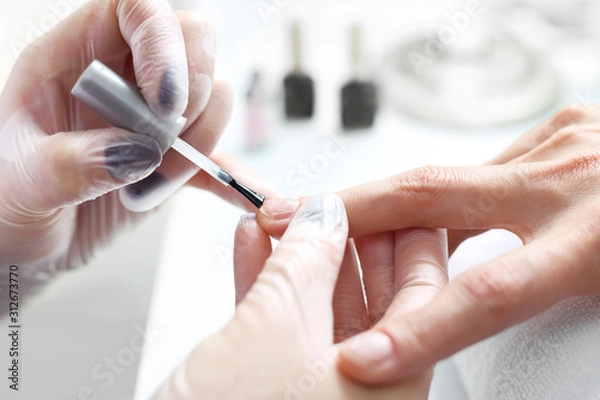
[(329, 94)]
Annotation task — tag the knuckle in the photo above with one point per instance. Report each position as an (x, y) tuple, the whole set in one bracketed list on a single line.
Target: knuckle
[(380, 303), (424, 274), (567, 136), (493, 291), (585, 163), (426, 184), (570, 115)]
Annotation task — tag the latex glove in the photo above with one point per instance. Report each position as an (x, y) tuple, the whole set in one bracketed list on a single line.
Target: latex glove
[(544, 188), (294, 303), (60, 163)]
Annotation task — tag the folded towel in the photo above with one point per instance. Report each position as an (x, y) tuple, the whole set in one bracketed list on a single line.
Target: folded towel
[(555, 355)]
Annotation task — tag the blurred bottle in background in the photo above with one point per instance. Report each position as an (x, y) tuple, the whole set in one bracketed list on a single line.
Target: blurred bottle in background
[(256, 112), (298, 86), (359, 95)]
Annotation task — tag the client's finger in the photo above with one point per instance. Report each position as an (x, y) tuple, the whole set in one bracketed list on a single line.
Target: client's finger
[(420, 273), (481, 302), (376, 254), (275, 215), (570, 115), (517, 151), (509, 196)]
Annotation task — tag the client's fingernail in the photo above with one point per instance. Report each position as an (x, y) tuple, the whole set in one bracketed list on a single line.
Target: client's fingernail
[(132, 157), (325, 208), (277, 209), (371, 350)]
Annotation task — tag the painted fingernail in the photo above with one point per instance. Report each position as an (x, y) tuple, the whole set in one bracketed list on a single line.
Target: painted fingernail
[(146, 186), (168, 90), (132, 157), (278, 209), (326, 209), (371, 350)]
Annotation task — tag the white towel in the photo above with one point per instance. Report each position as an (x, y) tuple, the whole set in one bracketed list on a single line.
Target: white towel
[(555, 355)]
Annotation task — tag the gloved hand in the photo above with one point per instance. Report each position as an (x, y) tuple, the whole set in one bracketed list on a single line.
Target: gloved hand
[(295, 302), (60, 163)]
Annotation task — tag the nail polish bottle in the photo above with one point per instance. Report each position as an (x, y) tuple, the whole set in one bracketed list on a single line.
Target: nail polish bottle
[(359, 95), (298, 86), (256, 114)]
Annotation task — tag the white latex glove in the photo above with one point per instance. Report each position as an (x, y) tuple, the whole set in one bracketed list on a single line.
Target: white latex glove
[(60, 163)]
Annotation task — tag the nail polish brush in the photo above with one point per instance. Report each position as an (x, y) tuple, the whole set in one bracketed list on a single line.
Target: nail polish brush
[(120, 102)]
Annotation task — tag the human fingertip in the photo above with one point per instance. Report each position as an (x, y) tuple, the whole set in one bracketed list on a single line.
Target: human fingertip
[(368, 358), (279, 208), (134, 195), (172, 96), (168, 92)]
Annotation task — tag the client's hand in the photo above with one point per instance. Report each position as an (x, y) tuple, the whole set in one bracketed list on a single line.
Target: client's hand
[(296, 301), (544, 188)]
